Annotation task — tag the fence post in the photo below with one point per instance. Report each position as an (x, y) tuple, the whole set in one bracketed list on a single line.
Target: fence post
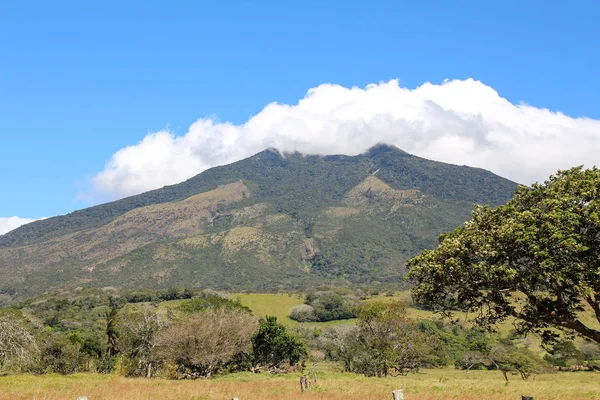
[(398, 394), (526, 398)]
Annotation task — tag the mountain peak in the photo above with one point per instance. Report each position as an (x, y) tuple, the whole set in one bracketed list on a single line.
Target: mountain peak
[(380, 148)]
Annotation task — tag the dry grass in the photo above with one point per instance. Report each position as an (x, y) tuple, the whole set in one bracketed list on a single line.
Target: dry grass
[(443, 384)]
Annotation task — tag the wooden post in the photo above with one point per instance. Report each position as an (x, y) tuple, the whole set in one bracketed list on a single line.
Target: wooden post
[(82, 398), (304, 383), (526, 398), (398, 394)]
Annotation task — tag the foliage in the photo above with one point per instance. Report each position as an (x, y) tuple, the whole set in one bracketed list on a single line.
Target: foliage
[(110, 327), (59, 355), (273, 345), (535, 259), (385, 341), (506, 357), (454, 341), (202, 343), (303, 313), (324, 306), (208, 301), (148, 295), (472, 360), (18, 347), (139, 330), (297, 193)]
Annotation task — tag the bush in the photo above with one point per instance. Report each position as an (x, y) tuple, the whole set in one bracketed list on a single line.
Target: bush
[(208, 301), (60, 356), (384, 342), (203, 343), (507, 357), (330, 306), (303, 313), (18, 348), (273, 345)]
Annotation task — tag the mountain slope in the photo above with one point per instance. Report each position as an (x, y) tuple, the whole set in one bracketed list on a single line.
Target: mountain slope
[(263, 223)]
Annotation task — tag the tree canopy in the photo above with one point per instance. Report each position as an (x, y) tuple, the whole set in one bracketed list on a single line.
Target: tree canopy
[(536, 259)]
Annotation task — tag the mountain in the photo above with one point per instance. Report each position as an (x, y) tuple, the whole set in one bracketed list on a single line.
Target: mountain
[(268, 222)]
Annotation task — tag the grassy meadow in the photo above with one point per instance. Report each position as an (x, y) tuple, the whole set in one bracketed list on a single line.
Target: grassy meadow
[(439, 384), (443, 383)]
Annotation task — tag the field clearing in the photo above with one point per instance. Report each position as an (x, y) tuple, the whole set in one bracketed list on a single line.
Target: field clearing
[(280, 305), (439, 384)]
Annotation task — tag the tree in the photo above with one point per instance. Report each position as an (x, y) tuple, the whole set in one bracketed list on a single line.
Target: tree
[(385, 341), (204, 341), (472, 359), (303, 313), (273, 345), (18, 346), (506, 357), (536, 259), (59, 355), (110, 326), (140, 329)]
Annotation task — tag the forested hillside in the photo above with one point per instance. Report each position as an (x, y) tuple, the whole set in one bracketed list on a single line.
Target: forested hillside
[(265, 223)]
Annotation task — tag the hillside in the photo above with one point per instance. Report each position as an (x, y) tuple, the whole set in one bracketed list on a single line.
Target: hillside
[(265, 223)]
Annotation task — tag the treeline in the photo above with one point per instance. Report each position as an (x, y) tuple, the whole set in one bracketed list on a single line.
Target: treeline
[(386, 342), (199, 337), (208, 334)]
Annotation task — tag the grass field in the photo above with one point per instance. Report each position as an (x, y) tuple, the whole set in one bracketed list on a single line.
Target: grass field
[(440, 384), (280, 305)]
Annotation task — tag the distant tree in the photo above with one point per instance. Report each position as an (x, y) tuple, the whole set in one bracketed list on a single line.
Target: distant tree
[(273, 345), (303, 313), (564, 353), (204, 341), (18, 347), (535, 259), (385, 341), (325, 306), (506, 357), (140, 328), (472, 359), (59, 355), (110, 326)]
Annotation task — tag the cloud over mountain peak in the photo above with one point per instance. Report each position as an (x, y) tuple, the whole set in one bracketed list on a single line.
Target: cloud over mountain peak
[(459, 121)]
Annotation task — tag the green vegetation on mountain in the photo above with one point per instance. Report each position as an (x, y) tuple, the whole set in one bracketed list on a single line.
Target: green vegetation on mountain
[(266, 223)]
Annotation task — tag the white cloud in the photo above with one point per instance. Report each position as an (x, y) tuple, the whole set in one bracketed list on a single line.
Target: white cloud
[(460, 122), (10, 223)]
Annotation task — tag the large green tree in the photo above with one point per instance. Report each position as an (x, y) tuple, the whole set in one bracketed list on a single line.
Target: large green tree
[(536, 259), (273, 345)]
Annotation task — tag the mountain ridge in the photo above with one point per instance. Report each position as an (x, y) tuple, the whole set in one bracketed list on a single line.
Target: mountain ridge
[(267, 222)]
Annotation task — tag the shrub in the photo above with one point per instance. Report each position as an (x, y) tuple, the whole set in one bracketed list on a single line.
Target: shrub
[(203, 343), (18, 348), (59, 355), (273, 345), (330, 306), (507, 357), (303, 313), (384, 342)]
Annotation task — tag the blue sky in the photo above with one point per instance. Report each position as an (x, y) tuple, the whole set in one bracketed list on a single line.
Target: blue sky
[(81, 80)]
